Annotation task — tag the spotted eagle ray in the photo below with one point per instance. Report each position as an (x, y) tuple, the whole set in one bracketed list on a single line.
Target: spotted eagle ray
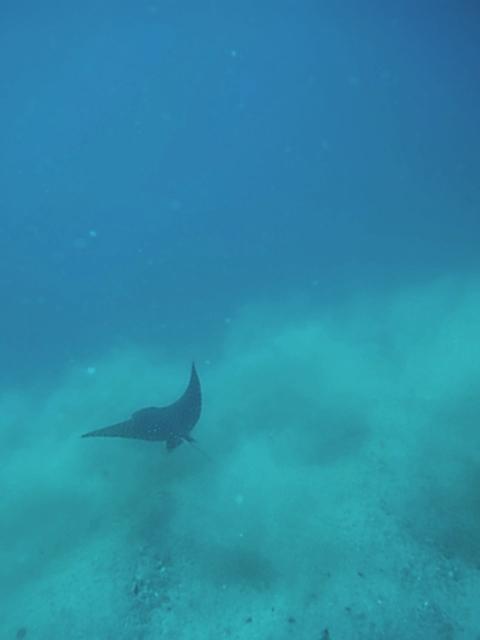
[(171, 424)]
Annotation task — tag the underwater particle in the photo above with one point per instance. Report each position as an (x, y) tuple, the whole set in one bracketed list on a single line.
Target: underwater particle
[(91, 371), (92, 233), (136, 588), (291, 620), (233, 53), (21, 633), (239, 499)]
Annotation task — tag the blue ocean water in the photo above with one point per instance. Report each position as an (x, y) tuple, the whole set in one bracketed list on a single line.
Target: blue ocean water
[(161, 166), (287, 192)]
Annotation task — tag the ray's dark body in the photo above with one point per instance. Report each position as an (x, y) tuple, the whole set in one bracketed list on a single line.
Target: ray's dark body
[(171, 424)]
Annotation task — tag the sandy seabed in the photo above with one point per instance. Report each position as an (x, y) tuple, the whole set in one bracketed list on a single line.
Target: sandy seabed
[(340, 498)]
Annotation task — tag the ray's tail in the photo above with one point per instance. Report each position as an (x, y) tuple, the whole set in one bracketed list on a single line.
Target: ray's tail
[(193, 443)]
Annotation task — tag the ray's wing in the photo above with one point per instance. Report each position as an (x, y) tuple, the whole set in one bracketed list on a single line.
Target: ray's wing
[(187, 409), (123, 429)]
